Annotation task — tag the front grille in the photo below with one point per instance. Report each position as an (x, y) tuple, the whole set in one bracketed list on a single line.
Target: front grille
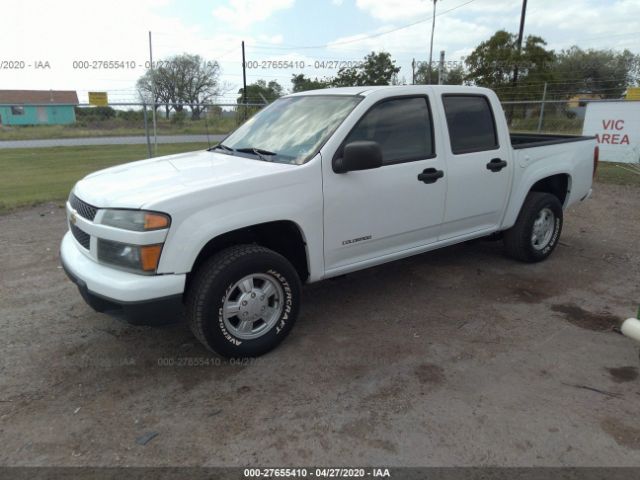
[(84, 209), (83, 238)]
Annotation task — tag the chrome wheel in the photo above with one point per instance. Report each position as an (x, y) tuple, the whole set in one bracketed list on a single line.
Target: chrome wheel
[(543, 227), (252, 306)]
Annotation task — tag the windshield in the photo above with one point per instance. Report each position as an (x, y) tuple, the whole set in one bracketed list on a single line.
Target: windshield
[(291, 129)]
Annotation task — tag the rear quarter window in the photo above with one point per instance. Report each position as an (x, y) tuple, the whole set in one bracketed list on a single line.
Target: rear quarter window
[(471, 124)]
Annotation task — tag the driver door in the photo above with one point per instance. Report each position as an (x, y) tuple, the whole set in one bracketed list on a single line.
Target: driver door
[(371, 216)]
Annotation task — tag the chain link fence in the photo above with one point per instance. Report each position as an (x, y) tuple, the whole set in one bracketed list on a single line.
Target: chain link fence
[(551, 116), (56, 121), (183, 122)]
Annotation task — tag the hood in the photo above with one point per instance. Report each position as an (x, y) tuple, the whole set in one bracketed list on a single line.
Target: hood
[(134, 185)]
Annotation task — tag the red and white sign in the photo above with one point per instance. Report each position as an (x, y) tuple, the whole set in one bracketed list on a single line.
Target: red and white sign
[(616, 126)]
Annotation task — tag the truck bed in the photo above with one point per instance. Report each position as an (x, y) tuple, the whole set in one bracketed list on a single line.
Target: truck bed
[(528, 140)]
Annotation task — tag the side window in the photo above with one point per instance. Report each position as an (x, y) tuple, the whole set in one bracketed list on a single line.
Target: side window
[(401, 126), (471, 124)]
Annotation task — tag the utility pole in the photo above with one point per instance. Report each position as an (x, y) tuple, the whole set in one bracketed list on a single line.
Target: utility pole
[(520, 34), (544, 99), (514, 83), (244, 82), (433, 29), (146, 128), (413, 72), (153, 94)]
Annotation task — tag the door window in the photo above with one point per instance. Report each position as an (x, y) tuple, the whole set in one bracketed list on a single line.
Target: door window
[(471, 125), (402, 127)]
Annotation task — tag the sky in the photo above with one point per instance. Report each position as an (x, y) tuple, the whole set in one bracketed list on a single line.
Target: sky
[(48, 37)]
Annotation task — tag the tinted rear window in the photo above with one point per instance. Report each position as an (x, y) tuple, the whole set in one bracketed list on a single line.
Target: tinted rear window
[(471, 124)]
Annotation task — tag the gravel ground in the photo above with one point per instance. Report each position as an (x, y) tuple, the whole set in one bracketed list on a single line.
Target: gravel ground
[(455, 357)]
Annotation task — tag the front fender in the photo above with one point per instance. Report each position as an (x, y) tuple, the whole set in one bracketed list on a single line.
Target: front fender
[(202, 216)]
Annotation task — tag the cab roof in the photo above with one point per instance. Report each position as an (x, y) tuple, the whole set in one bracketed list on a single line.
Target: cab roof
[(368, 89)]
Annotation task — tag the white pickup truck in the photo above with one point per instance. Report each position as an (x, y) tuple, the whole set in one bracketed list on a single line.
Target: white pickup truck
[(318, 184)]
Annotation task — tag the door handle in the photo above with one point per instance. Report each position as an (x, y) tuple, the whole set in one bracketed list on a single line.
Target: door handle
[(496, 164), (430, 175)]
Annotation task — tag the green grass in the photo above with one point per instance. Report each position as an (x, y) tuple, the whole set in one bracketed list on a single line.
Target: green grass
[(617, 173), (32, 176), (558, 124), (115, 128)]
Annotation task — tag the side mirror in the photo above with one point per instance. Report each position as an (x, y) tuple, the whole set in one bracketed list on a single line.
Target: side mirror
[(358, 156)]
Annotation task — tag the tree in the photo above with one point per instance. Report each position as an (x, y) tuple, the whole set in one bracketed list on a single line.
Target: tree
[(451, 75), (153, 88), (261, 92), (258, 92), (348, 77), (492, 64), (179, 80), (454, 75), (376, 69), (198, 81), (302, 84), (603, 72)]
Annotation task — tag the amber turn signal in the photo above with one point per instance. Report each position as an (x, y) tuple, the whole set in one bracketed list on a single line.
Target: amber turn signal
[(155, 221), (149, 257)]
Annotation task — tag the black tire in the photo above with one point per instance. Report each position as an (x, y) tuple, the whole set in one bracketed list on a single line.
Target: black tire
[(518, 240), (214, 282)]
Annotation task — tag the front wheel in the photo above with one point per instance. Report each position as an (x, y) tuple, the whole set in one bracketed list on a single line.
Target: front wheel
[(243, 301), (537, 229)]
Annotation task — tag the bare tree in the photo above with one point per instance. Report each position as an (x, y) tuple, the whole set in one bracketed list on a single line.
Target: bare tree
[(182, 80), (153, 87)]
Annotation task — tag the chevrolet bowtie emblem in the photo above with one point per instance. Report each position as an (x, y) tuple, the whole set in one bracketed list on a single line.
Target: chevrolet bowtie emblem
[(73, 218)]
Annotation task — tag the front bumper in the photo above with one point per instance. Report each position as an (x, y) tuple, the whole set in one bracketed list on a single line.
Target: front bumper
[(140, 299)]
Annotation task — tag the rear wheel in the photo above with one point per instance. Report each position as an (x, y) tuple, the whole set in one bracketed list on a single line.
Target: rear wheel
[(537, 229), (243, 301)]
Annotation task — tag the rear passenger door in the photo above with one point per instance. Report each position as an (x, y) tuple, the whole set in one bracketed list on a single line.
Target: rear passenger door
[(478, 166)]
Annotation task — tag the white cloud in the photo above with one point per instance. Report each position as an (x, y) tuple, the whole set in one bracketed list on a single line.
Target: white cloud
[(242, 13), (560, 23), (390, 10), (587, 24), (451, 34), (582, 22), (92, 32), (337, 2)]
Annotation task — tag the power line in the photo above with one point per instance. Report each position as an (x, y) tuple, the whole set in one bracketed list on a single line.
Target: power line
[(366, 37)]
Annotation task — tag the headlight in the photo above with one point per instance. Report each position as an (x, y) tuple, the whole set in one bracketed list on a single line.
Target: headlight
[(138, 258), (136, 220)]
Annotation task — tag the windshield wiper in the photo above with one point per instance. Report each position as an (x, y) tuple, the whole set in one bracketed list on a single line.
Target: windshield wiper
[(222, 146), (259, 152)]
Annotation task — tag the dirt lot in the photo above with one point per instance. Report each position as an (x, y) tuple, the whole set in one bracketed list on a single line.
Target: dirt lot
[(456, 357)]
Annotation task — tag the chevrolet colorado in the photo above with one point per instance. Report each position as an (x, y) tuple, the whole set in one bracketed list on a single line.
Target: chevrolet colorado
[(317, 184)]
